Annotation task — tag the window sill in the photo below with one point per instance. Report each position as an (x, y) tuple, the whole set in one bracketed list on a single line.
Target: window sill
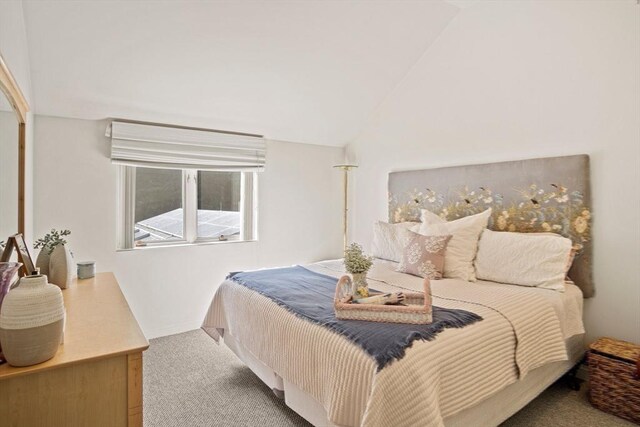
[(183, 244)]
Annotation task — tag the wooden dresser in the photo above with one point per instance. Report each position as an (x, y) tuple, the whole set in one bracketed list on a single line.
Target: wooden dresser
[(95, 379)]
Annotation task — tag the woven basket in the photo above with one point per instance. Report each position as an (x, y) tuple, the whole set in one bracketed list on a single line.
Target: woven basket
[(417, 310), (614, 374)]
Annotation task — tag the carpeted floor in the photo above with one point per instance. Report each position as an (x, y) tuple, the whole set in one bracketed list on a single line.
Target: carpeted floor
[(190, 381)]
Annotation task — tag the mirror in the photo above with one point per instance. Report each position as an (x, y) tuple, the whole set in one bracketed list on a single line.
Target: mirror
[(8, 169), (13, 116)]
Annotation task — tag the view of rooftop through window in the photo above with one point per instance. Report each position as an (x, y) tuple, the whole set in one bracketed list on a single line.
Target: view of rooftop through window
[(159, 210), (218, 204)]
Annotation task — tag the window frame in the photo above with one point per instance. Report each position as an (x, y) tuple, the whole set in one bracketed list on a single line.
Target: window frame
[(126, 210)]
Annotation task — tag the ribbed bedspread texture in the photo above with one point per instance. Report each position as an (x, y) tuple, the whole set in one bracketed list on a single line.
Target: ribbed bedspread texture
[(435, 379)]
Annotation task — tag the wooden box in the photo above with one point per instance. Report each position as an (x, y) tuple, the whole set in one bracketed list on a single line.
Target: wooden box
[(614, 374)]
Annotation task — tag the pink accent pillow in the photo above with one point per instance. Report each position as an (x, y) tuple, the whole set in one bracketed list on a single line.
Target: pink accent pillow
[(423, 256)]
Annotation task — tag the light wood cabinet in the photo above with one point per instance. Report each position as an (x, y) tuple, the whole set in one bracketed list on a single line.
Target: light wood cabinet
[(95, 379)]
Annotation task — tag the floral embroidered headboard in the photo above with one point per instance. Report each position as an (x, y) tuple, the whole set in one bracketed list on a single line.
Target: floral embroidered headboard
[(537, 195)]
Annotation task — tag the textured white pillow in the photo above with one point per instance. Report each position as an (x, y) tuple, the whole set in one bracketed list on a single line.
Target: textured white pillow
[(388, 239), (428, 217), (523, 259), (462, 248)]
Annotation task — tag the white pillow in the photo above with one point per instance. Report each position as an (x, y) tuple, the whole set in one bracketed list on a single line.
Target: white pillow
[(388, 239), (523, 259), (462, 248), (428, 217)]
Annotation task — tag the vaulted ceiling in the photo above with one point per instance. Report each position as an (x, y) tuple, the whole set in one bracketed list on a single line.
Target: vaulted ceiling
[(303, 71)]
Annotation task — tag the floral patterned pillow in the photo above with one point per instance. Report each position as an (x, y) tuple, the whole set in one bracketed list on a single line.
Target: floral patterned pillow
[(423, 256)]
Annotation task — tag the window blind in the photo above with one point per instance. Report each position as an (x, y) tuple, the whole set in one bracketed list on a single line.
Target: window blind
[(135, 144)]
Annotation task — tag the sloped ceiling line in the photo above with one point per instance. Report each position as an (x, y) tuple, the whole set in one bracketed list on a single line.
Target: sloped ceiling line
[(310, 72), (374, 113)]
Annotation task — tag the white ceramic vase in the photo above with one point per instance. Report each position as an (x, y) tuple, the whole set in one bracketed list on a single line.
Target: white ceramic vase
[(31, 321), (42, 261), (61, 267)]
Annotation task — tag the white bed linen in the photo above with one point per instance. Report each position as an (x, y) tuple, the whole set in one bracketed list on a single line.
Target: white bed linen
[(490, 412), (445, 376), (568, 305)]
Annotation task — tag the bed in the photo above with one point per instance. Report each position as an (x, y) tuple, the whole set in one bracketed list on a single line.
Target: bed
[(479, 374)]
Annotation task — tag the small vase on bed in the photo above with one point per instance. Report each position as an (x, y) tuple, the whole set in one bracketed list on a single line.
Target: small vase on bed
[(357, 264), (359, 285)]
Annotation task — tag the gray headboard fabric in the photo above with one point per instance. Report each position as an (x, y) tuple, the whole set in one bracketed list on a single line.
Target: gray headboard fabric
[(537, 195)]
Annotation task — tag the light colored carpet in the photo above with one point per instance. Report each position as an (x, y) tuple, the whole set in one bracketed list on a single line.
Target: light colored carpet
[(190, 381)]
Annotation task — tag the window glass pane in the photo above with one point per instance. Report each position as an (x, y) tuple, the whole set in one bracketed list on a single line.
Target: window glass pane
[(158, 211), (219, 204)]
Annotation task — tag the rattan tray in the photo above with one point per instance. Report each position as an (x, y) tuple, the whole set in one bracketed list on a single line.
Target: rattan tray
[(416, 311)]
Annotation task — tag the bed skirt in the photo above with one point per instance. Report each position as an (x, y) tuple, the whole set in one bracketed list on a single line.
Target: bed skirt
[(488, 413)]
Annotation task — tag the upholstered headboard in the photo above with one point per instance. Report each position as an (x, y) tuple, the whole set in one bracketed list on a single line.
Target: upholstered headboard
[(537, 195)]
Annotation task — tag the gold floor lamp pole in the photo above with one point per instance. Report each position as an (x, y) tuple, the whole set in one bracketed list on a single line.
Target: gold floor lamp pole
[(345, 169)]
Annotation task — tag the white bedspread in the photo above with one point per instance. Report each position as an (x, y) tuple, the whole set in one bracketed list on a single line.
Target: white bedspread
[(522, 328)]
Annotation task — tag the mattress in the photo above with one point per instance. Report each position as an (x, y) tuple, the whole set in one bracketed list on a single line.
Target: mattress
[(522, 329)]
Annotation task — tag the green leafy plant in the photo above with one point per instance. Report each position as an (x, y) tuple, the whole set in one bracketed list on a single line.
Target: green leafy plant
[(355, 261), (51, 240)]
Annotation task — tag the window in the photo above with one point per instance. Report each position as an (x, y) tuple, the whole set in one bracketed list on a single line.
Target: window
[(184, 185), (219, 203), (169, 206), (158, 212)]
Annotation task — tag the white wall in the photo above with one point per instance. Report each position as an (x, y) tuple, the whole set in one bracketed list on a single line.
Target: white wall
[(8, 174), (170, 288), (514, 80), (13, 44), (14, 50)]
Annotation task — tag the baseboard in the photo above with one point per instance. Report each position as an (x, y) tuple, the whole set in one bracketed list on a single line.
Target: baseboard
[(172, 329)]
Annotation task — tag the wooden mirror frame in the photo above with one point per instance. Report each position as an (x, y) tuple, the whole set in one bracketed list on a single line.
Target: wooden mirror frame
[(17, 100)]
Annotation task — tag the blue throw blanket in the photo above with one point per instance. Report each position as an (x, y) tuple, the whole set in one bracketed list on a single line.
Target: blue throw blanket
[(310, 295)]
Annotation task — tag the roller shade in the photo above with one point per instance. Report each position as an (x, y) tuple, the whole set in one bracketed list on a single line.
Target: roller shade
[(135, 144)]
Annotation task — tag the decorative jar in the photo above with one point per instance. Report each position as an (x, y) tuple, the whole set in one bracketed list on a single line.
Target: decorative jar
[(86, 269), (43, 260), (31, 321), (62, 268)]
